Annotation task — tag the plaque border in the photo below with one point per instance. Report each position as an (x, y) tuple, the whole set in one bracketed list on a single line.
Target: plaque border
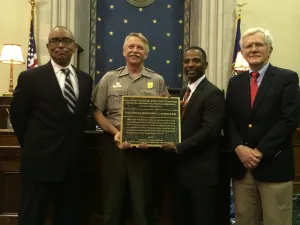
[(158, 97)]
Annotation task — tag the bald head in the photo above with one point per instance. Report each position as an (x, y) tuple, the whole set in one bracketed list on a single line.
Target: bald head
[(61, 29), (61, 45)]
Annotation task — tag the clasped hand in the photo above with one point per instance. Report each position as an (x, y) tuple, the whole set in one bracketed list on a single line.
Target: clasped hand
[(248, 156)]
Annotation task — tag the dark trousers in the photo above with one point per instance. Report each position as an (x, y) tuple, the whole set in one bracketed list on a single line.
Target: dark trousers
[(37, 197), (194, 206), (123, 170)]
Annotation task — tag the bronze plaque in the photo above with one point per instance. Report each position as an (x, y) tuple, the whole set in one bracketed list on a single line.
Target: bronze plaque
[(153, 120), (140, 3)]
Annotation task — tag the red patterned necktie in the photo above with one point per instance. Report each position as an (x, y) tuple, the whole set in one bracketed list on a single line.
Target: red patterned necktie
[(253, 86), (185, 100)]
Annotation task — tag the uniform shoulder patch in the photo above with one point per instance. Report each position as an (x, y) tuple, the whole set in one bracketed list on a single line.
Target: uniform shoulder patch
[(121, 68), (114, 70), (149, 70)]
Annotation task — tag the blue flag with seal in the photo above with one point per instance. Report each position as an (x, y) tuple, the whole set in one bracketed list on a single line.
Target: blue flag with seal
[(161, 22), (237, 47)]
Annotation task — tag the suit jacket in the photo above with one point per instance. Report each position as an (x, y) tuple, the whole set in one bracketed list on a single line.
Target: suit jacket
[(50, 136), (197, 160), (268, 125)]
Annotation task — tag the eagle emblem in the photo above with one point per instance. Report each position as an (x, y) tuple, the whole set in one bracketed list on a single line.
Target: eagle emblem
[(140, 3)]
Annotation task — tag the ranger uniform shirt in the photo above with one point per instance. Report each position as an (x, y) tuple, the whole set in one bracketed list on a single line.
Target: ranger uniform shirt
[(107, 95)]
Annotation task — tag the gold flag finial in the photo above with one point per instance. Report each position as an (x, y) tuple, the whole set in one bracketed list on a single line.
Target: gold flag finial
[(240, 7), (32, 2)]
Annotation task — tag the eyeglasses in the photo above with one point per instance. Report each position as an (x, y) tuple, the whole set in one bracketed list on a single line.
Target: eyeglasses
[(65, 41)]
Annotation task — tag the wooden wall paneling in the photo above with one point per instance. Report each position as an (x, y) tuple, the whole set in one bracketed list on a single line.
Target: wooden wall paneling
[(4, 105), (296, 144)]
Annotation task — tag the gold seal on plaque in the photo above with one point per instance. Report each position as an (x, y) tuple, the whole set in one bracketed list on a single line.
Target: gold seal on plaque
[(140, 3)]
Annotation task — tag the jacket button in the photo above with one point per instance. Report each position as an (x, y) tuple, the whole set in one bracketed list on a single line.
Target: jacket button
[(250, 125)]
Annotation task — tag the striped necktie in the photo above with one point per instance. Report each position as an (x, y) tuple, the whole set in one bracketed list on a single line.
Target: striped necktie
[(69, 92)]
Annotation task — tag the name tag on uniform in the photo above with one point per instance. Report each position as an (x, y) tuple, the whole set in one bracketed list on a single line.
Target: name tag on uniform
[(117, 85), (150, 85)]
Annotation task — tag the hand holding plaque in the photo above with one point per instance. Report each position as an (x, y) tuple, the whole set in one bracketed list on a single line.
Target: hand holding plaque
[(126, 145), (121, 145), (169, 147)]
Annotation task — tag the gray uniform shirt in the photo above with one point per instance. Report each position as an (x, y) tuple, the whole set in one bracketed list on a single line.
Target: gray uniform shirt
[(107, 95)]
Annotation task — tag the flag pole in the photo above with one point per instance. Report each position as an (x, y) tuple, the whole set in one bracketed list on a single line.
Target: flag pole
[(32, 60), (240, 7), (32, 2), (237, 47)]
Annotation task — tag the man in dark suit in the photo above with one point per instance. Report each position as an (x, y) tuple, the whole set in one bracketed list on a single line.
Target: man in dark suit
[(262, 114), (48, 114), (195, 177)]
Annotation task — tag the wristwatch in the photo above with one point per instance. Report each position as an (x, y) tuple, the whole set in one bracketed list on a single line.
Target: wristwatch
[(176, 150)]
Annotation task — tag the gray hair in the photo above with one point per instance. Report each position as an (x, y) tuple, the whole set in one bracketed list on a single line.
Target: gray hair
[(141, 37), (265, 34)]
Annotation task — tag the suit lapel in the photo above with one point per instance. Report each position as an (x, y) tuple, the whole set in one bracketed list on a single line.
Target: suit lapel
[(53, 82), (181, 93), (80, 87), (264, 86), (244, 96), (194, 97)]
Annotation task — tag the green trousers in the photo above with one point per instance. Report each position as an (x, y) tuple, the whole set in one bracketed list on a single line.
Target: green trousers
[(123, 170)]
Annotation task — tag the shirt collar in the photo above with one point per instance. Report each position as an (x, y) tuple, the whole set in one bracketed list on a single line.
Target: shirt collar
[(144, 72), (57, 68), (195, 84), (262, 71)]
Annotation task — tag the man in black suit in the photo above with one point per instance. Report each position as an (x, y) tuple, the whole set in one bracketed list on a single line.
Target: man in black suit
[(48, 114), (262, 113), (195, 177)]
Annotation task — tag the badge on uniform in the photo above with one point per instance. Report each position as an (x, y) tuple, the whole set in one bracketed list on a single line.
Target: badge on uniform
[(150, 85), (117, 85)]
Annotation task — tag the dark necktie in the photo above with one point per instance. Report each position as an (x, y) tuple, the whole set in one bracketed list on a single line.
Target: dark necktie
[(69, 93), (185, 100), (253, 86)]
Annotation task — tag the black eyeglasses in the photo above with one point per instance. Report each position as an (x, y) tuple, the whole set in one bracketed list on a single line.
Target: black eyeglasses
[(66, 41)]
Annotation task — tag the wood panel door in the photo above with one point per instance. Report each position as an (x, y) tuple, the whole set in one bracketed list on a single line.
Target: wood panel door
[(9, 177), (296, 144)]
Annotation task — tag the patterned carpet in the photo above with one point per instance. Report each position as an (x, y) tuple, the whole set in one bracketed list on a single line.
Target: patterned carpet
[(296, 210)]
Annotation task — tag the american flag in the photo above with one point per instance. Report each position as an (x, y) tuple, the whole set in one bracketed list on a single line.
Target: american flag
[(32, 60)]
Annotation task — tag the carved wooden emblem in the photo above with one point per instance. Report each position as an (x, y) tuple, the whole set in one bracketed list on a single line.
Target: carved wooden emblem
[(140, 3)]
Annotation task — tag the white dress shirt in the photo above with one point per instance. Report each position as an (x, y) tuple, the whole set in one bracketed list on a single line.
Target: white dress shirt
[(61, 77), (194, 85)]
